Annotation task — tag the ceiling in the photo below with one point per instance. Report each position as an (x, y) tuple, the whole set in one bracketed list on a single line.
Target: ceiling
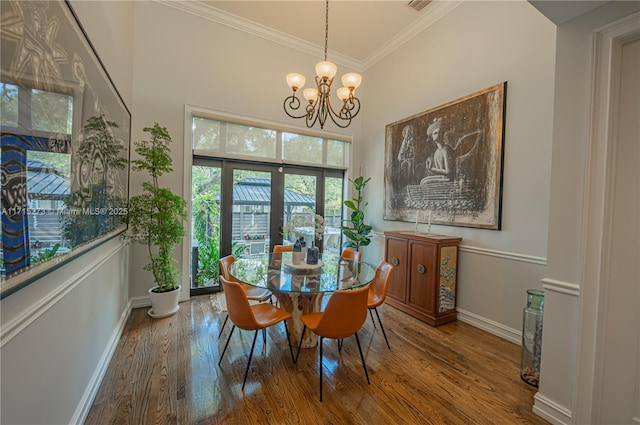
[(361, 32)]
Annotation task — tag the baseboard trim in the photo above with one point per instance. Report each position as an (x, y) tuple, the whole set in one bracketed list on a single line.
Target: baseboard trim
[(139, 302), (80, 415), (553, 412), (490, 326)]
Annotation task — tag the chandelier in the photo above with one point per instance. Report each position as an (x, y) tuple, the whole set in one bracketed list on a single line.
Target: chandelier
[(319, 108)]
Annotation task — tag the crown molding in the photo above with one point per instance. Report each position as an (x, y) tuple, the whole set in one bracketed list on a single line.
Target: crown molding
[(436, 10)]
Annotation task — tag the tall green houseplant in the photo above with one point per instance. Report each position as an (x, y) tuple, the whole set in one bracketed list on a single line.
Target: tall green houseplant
[(155, 216), (356, 230)]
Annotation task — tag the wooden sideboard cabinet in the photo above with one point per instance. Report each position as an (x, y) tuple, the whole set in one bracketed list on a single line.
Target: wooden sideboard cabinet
[(424, 281)]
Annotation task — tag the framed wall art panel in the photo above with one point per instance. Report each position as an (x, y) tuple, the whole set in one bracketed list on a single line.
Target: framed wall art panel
[(444, 165), (65, 134)]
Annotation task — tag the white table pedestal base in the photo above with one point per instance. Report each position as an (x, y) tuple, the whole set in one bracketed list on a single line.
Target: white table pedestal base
[(298, 304)]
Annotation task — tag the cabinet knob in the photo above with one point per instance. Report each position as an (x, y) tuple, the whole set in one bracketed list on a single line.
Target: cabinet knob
[(421, 269), (395, 261)]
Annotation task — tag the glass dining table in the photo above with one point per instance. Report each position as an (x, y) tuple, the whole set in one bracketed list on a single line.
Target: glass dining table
[(300, 288)]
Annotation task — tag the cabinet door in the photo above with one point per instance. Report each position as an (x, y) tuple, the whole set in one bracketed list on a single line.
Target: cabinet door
[(422, 282), (396, 252)]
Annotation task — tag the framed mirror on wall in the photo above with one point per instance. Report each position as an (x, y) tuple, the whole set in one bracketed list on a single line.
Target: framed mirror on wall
[(65, 143)]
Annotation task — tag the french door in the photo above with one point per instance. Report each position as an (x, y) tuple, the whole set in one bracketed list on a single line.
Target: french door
[(243, 208)]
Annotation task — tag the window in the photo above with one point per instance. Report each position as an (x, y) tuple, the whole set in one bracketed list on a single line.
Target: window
[(227, 139)]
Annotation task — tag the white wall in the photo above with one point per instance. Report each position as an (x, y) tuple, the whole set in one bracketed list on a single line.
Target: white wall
[(561, 391), (58, 333), (478, 45), (184, 59)]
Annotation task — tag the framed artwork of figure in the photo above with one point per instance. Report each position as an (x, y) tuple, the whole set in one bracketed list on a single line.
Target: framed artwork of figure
[(444, 165)]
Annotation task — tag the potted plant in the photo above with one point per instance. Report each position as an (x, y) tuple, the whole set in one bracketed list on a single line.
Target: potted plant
[(155, 220), (357, 231)]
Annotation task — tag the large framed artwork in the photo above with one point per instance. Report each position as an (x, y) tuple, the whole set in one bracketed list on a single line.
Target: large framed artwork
[(444, 165), (65, 134)]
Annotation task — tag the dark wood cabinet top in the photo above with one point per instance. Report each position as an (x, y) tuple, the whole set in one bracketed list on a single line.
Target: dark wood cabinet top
[(427, 237)]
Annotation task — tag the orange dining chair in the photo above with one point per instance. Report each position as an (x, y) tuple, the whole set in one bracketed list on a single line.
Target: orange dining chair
[(254, 293), (343, 316), (351, 255), (378, 293), (282, 248), (250, 317)]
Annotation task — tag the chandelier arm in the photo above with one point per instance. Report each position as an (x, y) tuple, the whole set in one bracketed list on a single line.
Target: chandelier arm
[(351, 108), (337, 118), (292, 103)]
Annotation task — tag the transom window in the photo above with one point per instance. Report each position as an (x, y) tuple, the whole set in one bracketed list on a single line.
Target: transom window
[(212, 136)]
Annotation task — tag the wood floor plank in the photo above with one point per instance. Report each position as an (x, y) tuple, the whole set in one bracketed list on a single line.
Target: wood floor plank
[(165, 371)]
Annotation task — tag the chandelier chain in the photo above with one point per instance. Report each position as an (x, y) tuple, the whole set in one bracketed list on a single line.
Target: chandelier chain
[(326, 30)]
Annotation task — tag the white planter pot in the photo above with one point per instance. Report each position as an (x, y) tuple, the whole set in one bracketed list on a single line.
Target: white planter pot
[(164, 304)]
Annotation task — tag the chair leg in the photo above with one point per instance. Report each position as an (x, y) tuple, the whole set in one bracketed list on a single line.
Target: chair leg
[(382, 327), (286, 330), (372, 321), (223, 325), (246, 372), (304, 328), (320, 367), (264, 338), (340, 346), (362, 358), (226, 345)]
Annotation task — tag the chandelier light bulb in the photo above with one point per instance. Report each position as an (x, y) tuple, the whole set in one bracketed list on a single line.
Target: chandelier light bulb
[(326, 69), (296, 81), (310, 94), (343, 93), (352, 80)]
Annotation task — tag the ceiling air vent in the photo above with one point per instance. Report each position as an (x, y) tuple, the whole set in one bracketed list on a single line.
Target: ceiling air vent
[(418, 4)]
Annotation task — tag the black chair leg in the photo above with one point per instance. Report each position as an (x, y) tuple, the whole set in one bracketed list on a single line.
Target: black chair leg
[(226, 345), (264, 338), (339, 346), (372, 321), (304, 328), (223, 325), (320, 368), (382, 327), (362, 358), (286, 330), (246, 372)]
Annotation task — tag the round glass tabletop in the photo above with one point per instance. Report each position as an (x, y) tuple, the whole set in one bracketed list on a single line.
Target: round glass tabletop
[(278, 273)]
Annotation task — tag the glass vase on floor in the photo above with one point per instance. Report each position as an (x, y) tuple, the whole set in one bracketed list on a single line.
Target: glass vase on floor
[(532, 337)]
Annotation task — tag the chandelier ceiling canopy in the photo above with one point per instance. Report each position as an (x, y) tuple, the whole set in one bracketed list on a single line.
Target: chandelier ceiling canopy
[(318, 107)]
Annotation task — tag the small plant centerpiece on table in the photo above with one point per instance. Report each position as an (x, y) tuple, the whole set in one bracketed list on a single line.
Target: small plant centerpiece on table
[(356, 231), (155, 219), (300, 222)]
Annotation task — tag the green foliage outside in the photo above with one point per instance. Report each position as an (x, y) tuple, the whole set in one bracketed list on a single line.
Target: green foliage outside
[(155, 217), (206, 230), (44, 255), (357, 231)]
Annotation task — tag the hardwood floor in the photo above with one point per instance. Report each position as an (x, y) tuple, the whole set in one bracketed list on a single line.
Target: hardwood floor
[(165, 372)]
